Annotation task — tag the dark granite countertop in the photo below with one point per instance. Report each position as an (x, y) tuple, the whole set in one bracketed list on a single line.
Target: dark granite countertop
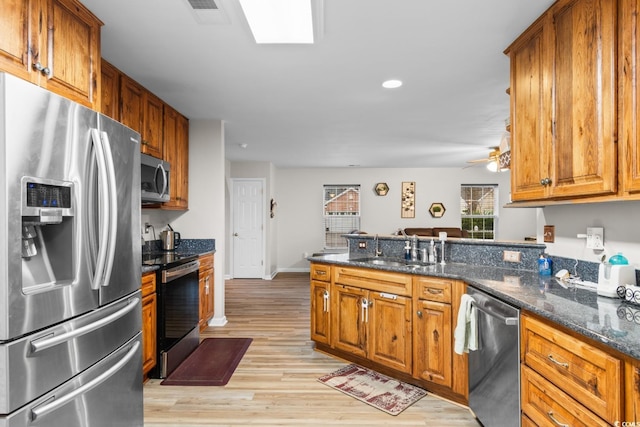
[(607, 320)]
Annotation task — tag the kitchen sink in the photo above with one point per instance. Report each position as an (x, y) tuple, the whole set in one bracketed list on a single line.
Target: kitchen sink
[(387, 262)]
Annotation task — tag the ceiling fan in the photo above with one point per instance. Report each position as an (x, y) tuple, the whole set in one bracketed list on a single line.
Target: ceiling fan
[(492, 159)]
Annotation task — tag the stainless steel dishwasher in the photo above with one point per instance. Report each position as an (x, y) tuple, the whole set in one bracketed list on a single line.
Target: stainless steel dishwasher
[(494, 368)]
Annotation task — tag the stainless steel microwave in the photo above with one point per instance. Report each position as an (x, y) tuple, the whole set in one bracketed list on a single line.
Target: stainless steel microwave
[(154, 179)]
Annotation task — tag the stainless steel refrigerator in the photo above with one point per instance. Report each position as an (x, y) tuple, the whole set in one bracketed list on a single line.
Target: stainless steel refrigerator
[(70, 261)]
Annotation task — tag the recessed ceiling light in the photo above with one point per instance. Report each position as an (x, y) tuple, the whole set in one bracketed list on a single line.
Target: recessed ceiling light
[(391, 84), (279, 21)]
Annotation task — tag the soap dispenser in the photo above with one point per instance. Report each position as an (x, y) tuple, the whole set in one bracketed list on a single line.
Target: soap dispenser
[(407, 250)]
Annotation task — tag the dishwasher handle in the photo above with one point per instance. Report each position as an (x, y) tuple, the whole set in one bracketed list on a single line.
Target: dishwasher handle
[(510, 321)]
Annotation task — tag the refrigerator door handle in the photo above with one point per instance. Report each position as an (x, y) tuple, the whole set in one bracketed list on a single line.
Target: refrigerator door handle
[(112, 226), (56, 403), (48, 342), (103, 211)]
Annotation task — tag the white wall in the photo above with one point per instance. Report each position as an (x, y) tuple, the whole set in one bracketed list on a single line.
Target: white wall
[(620, 221), (206, 217), (299, 213)]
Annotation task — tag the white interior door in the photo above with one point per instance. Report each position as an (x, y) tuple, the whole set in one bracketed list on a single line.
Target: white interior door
[(248, 229)]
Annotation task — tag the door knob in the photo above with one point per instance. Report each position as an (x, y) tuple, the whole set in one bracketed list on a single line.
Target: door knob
[(235, 234)]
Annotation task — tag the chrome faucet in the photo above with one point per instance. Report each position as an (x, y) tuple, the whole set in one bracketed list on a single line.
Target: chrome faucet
[(401, 231), (414, 248), (376, 241)]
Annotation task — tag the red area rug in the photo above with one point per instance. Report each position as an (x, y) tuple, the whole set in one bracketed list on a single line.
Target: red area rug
[(380, 391), (211, 364)]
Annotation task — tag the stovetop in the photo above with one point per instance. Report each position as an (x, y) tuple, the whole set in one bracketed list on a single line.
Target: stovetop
[(167, 259)]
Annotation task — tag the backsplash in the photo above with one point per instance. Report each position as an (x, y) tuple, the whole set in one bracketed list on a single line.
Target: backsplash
[(186, 245), (476, 252)]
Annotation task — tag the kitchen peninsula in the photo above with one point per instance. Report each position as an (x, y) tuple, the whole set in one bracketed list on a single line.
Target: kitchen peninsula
[(593, 339)]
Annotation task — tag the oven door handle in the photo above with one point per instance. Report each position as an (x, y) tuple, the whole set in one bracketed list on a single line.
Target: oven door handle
[(177, 272), (54, 404), (48, 342)]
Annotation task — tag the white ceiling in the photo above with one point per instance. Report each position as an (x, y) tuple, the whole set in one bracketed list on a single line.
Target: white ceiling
[(322, 105)]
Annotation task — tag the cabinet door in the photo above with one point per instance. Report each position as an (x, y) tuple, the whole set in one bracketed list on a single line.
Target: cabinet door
[(208, 288), (432, 337), (153, 123), (110, 90), (632, 390), (149, 323), (583, 147), (629, 72), (530, 117), (16, 22), (73, 51), (131, 104), (350, 311), (320, 312), (389, 323), (176, 152), (182, 138)]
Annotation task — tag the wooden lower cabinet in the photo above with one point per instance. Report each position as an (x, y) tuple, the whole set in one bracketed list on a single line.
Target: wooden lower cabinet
[(368, 315), (436, 302), (149, 322), (373, 325), (320, 311), (632, 390), (206, 275), (432, 342), (547, 405)]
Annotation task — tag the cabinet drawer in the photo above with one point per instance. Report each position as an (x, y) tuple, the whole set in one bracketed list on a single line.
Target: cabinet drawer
[(394, 283), (148, 283), (547, 405), (588, 374), (206, 262), (321, 272), (432, 289)]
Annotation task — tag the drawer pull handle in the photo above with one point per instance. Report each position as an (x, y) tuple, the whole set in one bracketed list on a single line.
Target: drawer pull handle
[(564, 365), (556, 422), (388, 296), (320, 273), (434, 291)]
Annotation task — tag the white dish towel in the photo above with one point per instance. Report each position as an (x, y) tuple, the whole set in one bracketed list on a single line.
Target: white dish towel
[(466, 332)]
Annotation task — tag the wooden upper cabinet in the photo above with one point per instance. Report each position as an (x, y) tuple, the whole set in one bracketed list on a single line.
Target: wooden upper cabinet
[(530, 127), (110, 90), (563, 89), (152, 125), (629, 72), (131, 103), (176, 152), (16, 22), (52, 43)]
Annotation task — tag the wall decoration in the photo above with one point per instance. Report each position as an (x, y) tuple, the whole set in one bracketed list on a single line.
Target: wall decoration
[(381, 189), (408, 208), (437, 210)]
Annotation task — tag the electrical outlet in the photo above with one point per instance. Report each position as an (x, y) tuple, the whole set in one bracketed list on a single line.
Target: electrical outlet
[(362, 245), (511, 256), (595, 238)]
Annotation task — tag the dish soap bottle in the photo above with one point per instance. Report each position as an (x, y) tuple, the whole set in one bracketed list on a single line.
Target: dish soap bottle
[(544, 265), (407, 250)]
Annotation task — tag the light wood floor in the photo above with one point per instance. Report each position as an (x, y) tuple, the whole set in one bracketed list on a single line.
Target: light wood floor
[(275, 383)]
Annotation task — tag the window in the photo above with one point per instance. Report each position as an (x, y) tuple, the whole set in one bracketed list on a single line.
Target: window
[(341, 206), (479, 210)]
